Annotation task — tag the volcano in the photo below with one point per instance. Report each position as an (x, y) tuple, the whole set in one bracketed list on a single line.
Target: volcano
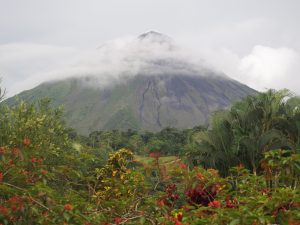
[(164, 89)]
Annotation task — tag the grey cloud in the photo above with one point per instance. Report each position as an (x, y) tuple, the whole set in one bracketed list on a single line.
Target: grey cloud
[(20, 62)]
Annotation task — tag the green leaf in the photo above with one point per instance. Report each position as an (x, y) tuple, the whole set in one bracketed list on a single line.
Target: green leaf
[(235, 222), (66, 216)]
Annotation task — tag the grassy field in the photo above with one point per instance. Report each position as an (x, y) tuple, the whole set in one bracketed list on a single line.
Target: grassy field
[(147, 160)]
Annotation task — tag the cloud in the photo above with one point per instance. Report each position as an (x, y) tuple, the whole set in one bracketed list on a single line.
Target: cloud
[(20, 62), (23, 66), (267, 67), (151, 54), (263, 68)]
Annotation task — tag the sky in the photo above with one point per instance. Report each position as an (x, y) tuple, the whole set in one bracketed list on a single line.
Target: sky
[(256, 42)]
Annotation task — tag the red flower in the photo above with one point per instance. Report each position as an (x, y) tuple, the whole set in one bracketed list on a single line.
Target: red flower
[(14, 199), (3, 210), (178, 223), (34, 160), (118, 220), (2, 150), (200, 176), (1, 177), (44, 172), (230, 203), (215, 204), (183, 166), (171, 188), (14, 208), (15, 151), (292, 222), (161, 203), (174, 197), (68, 207), (26, 141)]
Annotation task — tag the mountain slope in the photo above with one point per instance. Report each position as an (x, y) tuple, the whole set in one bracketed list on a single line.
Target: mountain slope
[(142, 102), (147, 84)]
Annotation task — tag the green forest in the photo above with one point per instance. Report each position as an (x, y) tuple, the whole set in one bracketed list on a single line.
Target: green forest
[(242, 168)]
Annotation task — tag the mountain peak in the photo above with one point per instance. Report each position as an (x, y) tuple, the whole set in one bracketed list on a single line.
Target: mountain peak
[(151, 33), (155, 37)]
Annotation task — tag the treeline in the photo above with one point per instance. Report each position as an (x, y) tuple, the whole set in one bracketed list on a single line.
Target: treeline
[(168, 141)]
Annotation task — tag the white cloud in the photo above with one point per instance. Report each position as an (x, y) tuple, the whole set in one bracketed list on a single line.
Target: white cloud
[(267, 67), (25, 65), (263, 68)]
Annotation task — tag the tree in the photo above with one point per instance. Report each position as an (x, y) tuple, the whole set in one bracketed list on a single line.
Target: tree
[(2, 92), (259, 123)]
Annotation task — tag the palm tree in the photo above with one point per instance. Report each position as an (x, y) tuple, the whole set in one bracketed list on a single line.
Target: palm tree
[(255, 124), (215, 144), (251, 127), (2, 93)]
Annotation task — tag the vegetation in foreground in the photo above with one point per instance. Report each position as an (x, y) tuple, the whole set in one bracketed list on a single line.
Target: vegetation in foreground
[(244, 170)]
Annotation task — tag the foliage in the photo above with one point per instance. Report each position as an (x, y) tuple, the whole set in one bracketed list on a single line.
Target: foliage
[(33, 144), (168, 141), (260, 123), (49, 175)]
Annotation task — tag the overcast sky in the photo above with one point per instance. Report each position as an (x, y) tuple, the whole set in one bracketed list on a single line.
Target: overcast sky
[(254, 41)]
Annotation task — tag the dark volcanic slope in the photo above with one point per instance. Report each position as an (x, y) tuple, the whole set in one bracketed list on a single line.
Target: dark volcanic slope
[(142, 102)]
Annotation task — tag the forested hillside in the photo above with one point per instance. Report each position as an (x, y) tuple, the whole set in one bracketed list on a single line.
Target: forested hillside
[(244, 168)]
